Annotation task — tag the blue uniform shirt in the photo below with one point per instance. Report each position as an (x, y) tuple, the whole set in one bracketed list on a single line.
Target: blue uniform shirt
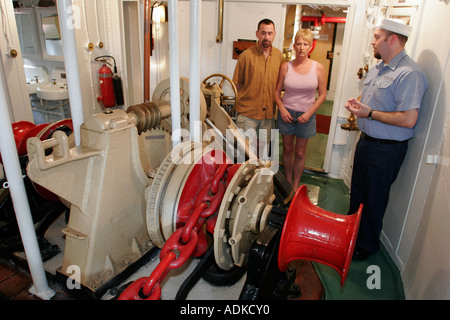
[(398, 86)]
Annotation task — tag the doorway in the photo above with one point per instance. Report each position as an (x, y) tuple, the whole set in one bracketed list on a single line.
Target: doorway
[(329, 22)]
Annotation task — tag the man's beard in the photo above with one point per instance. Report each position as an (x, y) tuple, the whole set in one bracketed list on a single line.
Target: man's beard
[(266, 43), (376, 54)]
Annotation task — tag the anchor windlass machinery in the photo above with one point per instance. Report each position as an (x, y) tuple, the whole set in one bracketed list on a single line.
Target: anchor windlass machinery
[(132, 195)]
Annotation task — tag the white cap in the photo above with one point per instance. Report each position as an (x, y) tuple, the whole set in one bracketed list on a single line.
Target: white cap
[(394, 25)]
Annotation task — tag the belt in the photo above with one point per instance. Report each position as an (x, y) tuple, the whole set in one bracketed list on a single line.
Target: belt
[(384, 141)]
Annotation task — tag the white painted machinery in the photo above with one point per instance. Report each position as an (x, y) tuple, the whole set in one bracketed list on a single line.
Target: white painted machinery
[(107, 180), (130, 193)]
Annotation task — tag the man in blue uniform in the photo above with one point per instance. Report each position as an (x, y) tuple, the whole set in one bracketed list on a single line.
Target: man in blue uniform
[(386, 115)]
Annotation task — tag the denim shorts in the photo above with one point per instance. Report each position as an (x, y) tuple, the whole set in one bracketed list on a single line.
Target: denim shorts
[(300, 130)]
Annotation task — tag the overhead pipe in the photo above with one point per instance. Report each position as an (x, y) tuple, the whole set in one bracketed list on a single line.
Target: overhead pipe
[(219, 37), (323, 19), (13, 173), (318, 21), (174, 72), (65, 15), (147, 48), (194, 77)]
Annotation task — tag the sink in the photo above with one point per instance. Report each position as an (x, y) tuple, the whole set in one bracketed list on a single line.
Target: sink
[(32, 87), (53, 91)]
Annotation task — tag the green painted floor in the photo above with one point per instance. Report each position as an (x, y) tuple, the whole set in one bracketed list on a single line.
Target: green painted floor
[(334, 197), (361, 283), (317, 145)]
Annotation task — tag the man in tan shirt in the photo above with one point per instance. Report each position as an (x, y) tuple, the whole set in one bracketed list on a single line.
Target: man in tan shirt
[(255, 76)]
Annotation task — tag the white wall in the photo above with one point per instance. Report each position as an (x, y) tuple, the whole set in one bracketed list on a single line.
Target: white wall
[(420, 238), (240, 22)]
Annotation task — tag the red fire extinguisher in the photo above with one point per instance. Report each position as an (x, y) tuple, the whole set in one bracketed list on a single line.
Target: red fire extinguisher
[(110, 84), (106, 87)]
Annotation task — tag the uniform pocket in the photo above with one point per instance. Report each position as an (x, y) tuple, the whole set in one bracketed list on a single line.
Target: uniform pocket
[(384, 83)]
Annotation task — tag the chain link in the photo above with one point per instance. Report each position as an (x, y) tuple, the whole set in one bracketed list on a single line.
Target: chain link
[(192, 222), (148, 288), (152, 285), (184, 239)]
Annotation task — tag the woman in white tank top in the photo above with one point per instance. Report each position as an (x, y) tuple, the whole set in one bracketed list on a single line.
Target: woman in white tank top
[(296, 120)]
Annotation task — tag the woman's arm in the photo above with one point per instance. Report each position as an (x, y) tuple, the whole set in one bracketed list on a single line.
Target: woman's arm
[(285, 115)]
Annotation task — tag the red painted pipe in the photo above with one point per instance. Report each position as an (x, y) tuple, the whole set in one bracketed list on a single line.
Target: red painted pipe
[(322, 19), (333, 19)]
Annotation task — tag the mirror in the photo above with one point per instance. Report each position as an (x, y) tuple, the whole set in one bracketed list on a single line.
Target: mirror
[(50, 34), (25, 20)]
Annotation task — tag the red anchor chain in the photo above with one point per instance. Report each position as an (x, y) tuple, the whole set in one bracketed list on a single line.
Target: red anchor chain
[(217, 173)]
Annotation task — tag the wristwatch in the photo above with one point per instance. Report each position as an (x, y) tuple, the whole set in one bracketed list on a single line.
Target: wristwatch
[(370, 114)]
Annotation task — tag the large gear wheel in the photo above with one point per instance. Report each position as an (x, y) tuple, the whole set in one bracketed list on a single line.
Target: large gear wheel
[(157, 190), (165, 209), (176, 185)]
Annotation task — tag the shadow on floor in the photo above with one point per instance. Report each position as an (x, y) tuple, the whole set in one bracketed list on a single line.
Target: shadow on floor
[(362, 282)]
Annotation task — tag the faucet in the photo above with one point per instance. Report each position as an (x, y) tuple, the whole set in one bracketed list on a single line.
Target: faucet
[(53, 81)]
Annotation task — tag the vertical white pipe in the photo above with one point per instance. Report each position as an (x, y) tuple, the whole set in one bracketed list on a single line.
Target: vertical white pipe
[(66, 22), (19, 198), (174, 72), (194, 77)]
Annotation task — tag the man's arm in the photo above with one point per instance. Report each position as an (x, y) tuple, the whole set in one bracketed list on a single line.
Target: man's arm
[(397, 118), (238, 74)]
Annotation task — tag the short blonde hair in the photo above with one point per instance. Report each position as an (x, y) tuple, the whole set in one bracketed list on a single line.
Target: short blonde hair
[(304, 34)]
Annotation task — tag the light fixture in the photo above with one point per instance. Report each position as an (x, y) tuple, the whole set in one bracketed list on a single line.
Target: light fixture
[(159, 13)]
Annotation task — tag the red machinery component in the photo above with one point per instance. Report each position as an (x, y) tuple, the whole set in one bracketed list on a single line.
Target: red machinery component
[(23, 130), (201, 197), (20, 128), (106, 87), (312, 233), (309, 232)]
